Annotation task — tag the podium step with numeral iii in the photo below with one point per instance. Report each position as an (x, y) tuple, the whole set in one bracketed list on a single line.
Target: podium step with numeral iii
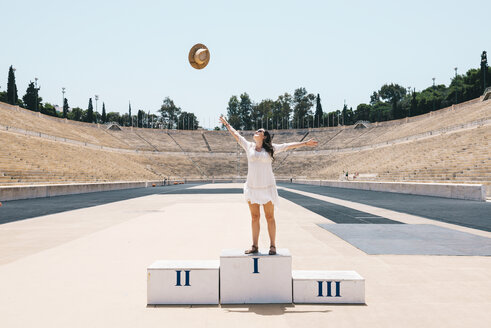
[(255, 278), (183, 282), (328, 287)]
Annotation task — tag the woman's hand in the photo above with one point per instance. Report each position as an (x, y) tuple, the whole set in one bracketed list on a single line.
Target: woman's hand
[(223, 121), (311, 143)]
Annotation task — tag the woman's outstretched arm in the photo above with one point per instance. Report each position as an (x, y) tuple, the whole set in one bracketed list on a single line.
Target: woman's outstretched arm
[(308, 143), (232, 131), (293, 145), (240, 139)]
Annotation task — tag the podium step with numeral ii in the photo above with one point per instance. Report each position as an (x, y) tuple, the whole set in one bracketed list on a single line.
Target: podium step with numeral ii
[(255, 278), (183, 282), (328, 287)]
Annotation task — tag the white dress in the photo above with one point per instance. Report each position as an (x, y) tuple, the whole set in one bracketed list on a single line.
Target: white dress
[(260, 186)]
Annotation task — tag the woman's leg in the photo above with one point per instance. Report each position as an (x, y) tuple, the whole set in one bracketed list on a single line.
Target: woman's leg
[(269, 212), (255, 214)]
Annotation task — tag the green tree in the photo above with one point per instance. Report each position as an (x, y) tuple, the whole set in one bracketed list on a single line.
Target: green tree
[(245, 111), (362, 112), (276, 115), (472, 83), (48, 109), (130, 122), (65, 108), (318, 112), (414, 104), (374, 98), (393, 93), (140, 116), (114, 117), (31, 97), (125, 120), (484, 69), (11, 88), (233, 112), (169, 113), (333, 118), (3, 96), (381, 111), (347, 115), (285, 104), (303, 103), (90, 112), (104, 116), (263, 114), (187, 121), (153, 120), (76, 114)]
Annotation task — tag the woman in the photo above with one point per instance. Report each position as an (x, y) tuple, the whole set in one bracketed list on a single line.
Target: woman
[(260, 187)]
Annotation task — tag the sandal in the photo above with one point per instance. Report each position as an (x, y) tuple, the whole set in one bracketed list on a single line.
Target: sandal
[(272, 250), (253, 250)]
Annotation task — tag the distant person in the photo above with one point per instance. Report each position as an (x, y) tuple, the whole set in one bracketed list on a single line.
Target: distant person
[(260, 187)]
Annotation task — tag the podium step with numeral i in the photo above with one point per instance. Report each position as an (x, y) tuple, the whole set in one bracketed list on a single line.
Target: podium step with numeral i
[(255, 278)]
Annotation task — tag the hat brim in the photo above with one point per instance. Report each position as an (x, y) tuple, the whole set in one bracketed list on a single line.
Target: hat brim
[(193, 50)]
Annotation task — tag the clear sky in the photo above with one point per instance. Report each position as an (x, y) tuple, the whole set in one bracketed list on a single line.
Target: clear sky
[(137, 50)]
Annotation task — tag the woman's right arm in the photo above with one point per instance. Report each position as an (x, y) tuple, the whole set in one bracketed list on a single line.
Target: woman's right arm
[(240, 139), (230, 129)]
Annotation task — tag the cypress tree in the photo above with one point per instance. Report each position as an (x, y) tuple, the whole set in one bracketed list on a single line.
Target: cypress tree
[(11, 87), (140, 118), (130, 122), (65, 108), (90, 112), (104, 117), (318, 112)]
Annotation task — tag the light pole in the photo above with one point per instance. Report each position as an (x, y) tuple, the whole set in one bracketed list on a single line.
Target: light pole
[(36, 87), (409, 95), (455, 68), (484, 68), (96, 98), (63, 100), (433, 93)]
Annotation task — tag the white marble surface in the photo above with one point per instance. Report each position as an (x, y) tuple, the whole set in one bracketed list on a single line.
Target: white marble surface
[(185, 264), (336, 275), (239, 253)]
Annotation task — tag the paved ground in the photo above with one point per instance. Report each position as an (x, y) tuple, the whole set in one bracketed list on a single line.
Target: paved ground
[(80, 261), (472, 214), (411, 239)]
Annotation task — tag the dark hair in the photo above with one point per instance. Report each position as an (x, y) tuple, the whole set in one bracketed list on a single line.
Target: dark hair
[(267, 145)]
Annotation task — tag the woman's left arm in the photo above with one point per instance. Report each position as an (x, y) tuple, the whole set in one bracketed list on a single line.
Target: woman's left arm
[(293, 145)]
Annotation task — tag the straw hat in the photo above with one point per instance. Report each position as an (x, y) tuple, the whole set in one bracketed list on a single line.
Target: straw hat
[(199, 56)]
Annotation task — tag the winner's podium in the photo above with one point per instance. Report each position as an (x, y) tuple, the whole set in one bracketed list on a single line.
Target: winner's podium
[(255, 278), (240, 278)]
